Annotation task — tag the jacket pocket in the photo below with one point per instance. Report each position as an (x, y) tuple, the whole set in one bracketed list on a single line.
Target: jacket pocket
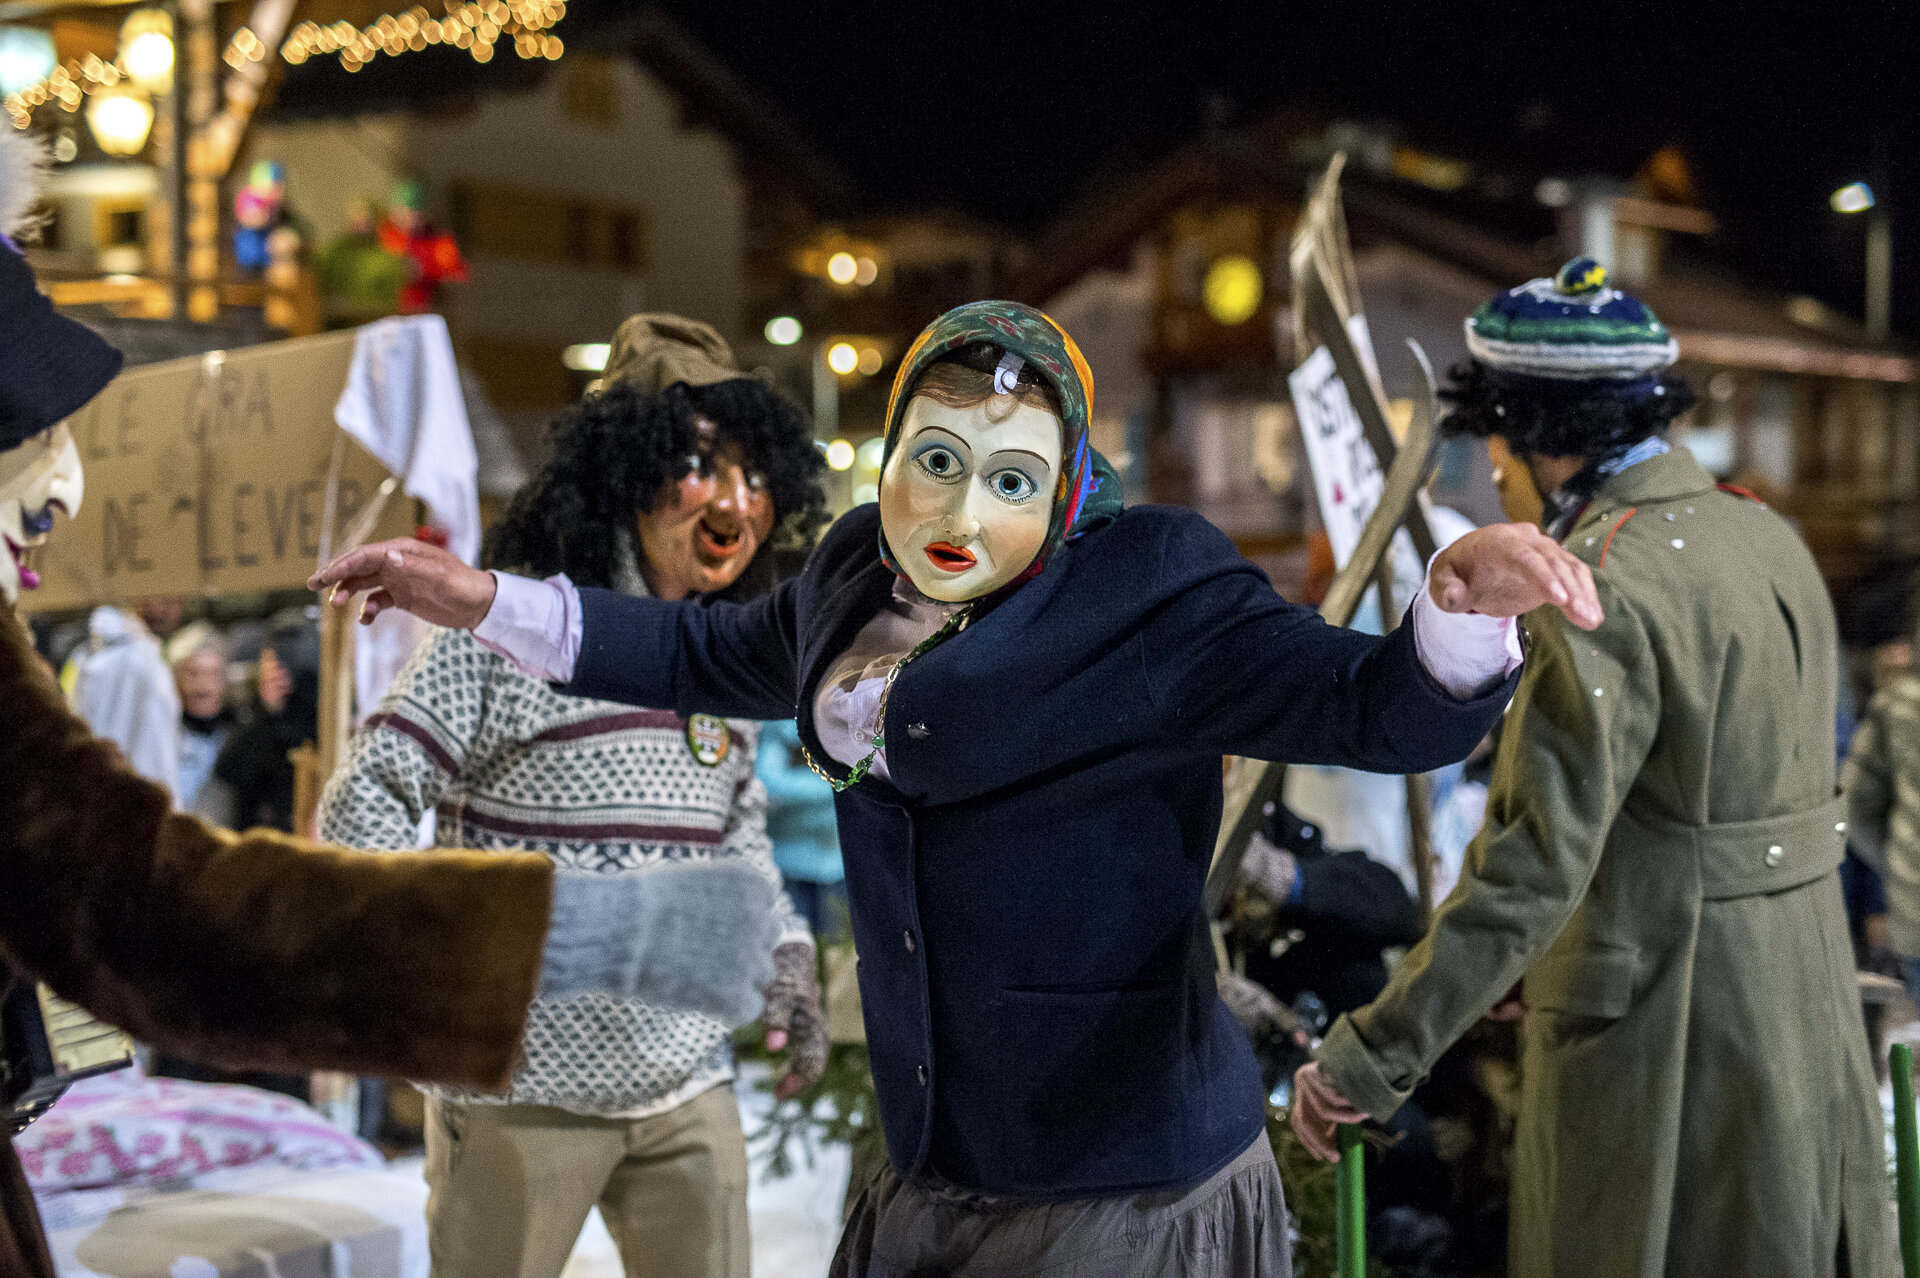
[(1092, 1087), (1595, 981)]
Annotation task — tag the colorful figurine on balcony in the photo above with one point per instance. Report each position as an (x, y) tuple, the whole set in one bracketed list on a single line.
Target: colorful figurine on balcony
[(433, 258), (359, 278), (260, 214)]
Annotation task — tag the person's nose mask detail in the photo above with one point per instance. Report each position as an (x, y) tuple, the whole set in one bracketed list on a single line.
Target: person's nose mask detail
[(968, 493), (37, 479)]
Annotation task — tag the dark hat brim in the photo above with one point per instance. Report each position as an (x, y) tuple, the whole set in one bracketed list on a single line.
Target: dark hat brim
[(50, 365)]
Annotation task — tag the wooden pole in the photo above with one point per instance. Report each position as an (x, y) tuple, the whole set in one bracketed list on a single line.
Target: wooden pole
[(1350, 1205), (1419, 787), (1420, 842), (336, 687), (172, 251), (1906, 1146), (195, 79)]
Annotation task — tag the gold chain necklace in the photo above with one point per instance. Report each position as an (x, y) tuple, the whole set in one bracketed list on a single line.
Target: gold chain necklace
[(953, 626)]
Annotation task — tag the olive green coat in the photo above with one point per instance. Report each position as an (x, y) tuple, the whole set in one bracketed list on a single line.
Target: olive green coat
[(1659, 862)]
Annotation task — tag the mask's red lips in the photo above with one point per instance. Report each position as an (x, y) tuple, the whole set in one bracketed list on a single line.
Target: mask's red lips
[(950, 558), (716, 542), (29, 579)]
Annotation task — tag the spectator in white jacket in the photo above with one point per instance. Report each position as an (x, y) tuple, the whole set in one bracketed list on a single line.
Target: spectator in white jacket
[(126, 694)]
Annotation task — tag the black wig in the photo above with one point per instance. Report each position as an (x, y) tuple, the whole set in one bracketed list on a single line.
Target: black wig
[(611, 454), (1547, 419)]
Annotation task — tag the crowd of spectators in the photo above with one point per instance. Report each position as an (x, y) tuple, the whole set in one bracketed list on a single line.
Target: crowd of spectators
[(208, 711)]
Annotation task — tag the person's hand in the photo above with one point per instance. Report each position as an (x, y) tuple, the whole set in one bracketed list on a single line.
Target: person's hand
[(793, 1018), (1257, 1010), (1268, 870), (1504, 570), (276, 682), (1512, 1005), (413, 576), (1317, 1108)]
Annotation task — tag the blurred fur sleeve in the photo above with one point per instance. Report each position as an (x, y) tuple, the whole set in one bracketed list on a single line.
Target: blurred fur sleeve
[(256, 949)]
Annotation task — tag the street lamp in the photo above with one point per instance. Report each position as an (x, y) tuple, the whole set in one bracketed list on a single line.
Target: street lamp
[(1857, 197), (26, 58), (1232, 289), (1854, 197), (120, 120), (146, 49)]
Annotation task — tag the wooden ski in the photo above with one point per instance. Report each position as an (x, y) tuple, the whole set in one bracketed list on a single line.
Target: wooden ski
[(1326, 298)]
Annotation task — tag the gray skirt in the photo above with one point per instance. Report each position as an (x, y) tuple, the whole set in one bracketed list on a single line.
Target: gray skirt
[(1232, 1225)]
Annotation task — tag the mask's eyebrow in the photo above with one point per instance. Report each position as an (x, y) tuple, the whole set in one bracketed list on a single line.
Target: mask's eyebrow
[(1024, 452), (925, 431)]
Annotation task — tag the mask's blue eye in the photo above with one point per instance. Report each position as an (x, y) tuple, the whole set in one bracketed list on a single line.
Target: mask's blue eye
[(940, 462), (1011, 485)]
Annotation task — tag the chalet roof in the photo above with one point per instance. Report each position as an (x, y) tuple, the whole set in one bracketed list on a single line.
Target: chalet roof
[(1718, 317)]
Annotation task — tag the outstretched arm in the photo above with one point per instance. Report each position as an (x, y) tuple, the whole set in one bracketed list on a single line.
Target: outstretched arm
[(1579, 735), (693, 657), (258, 948), (1232, 665), (408, 753)]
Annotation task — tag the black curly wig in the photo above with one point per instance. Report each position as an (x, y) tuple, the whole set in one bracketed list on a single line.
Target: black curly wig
[(1545, 419), (611, 454)]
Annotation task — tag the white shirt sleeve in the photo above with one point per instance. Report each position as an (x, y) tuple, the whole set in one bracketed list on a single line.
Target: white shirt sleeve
[(534, 624), (1467, 653)]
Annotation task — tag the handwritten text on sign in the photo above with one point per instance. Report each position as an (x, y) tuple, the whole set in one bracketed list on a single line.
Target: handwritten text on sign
[(209, 476), (1347, 477)]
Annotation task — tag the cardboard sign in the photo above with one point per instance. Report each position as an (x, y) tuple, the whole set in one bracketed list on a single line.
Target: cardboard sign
[(208, 476), (1347, 477)]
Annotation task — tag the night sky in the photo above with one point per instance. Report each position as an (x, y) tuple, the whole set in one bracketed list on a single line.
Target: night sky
[(1012, 112), (1009, 112)]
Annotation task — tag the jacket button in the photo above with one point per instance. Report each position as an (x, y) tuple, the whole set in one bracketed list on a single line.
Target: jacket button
[(909, 936), (918, 730), (920, 1072), (1775, 854)]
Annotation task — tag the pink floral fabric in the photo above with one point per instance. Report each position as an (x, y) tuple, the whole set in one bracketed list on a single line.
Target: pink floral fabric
[(123, 1127)]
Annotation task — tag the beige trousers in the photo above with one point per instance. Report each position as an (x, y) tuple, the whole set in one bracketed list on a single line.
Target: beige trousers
[(511, 1186)]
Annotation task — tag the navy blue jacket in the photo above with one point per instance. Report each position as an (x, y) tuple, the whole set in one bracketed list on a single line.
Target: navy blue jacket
[(1035, 962)]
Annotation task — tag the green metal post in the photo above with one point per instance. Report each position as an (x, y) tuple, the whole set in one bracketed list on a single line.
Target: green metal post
[(1906, 1146), (1350, 1206)]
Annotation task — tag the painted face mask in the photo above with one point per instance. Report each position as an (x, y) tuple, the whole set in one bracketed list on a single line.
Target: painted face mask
[(36, 478), (983, 479), (967, 494)]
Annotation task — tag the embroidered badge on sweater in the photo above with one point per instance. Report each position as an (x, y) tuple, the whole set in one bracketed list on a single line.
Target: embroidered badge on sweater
[(709, 738)]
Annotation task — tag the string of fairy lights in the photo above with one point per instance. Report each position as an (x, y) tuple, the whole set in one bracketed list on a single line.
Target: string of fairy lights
[(68, 85), (475, 25), (478, 26)]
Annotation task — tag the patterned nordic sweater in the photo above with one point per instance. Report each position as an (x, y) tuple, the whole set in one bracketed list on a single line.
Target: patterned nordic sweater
[(506, 762)]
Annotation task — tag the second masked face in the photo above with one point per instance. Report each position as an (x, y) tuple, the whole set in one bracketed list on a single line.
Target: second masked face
[(967, 494), (39, 475)]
